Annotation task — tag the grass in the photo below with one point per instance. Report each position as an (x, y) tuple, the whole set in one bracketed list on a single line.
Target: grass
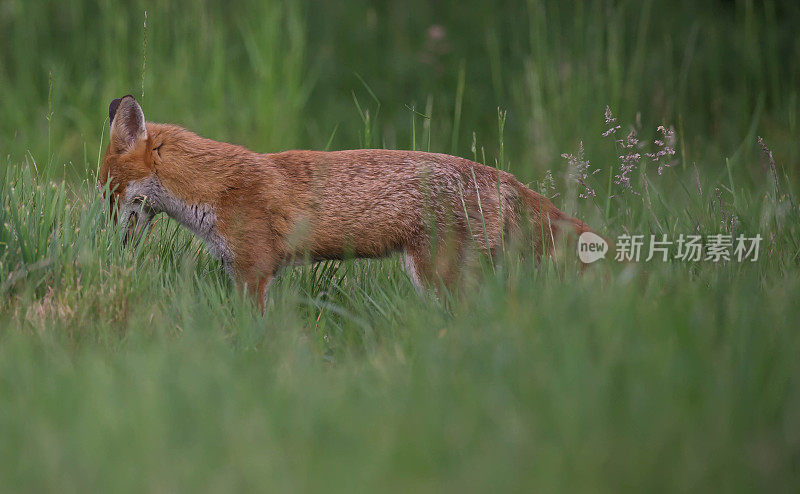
[(144, 369)]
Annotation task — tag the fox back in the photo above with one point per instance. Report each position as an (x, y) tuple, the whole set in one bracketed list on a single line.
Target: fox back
[(258, 212)]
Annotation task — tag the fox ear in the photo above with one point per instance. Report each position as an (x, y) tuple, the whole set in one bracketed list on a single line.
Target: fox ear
[(127, 123)]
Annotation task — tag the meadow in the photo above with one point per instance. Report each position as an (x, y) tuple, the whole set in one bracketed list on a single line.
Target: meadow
[(143, 369)]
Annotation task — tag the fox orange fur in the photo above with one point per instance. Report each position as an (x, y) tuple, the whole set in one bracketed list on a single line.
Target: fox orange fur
[(258, 212)]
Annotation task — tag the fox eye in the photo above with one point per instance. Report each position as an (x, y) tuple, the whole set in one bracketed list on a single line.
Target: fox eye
[(157, 149)]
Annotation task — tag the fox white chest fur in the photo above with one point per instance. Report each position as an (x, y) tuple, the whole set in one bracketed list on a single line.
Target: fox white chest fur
[(147, 196)]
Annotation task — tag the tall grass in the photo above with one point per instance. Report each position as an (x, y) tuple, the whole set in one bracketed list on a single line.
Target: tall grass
[(145, 369)]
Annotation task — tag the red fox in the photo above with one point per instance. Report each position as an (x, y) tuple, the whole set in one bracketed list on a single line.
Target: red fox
[(259, 212)]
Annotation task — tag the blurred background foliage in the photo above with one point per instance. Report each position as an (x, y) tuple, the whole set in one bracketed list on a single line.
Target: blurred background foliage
[(280, 75)]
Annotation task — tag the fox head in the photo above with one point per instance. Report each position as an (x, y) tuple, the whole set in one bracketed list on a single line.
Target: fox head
[(129, 162), (150, 168)]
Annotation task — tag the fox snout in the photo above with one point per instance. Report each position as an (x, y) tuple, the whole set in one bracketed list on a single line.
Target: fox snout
[(135, 216), (135, 222)]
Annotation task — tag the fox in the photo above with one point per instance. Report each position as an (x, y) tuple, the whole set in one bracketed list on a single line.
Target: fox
[(258, 213)]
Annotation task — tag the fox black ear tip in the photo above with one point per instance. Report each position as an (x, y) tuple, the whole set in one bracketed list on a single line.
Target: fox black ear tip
[(112, 109)]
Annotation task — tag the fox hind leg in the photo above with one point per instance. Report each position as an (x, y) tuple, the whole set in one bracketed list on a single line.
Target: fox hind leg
[(419, 270), (428, 269)]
